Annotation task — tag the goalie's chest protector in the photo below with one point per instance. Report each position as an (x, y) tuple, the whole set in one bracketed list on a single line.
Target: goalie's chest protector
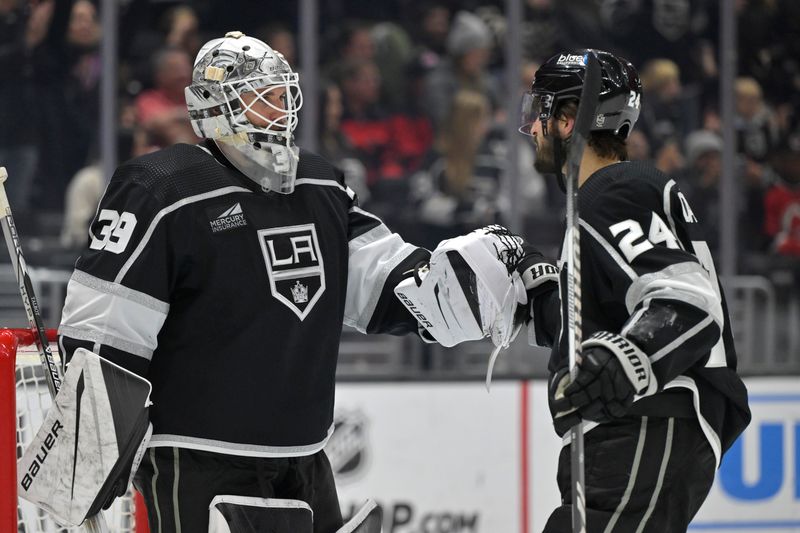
[(256, 286)]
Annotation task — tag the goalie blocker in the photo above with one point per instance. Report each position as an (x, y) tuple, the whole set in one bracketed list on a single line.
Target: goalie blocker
[(90, 442)]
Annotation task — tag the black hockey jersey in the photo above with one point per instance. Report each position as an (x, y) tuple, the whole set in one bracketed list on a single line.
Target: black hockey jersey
[(231, 300), (648, 275)]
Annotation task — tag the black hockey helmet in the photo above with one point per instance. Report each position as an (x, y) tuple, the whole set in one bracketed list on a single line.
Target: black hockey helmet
[(561, 77)]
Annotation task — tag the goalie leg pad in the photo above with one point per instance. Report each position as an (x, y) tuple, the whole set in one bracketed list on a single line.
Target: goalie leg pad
[(83, 454), (248, 514), (368, 519)]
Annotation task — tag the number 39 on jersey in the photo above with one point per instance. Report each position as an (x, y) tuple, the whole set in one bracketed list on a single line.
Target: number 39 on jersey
[(115, 231)]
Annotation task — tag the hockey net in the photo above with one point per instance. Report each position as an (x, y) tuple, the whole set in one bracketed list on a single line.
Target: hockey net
[(24, 400)]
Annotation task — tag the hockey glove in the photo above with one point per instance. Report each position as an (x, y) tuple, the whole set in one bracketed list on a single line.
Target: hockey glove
[(539, 277), (612, 372)]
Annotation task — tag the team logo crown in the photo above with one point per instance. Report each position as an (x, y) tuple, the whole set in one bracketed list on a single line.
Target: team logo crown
[(300, 293)]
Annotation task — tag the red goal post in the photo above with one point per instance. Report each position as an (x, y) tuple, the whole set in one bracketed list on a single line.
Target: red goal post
[(24, 399)]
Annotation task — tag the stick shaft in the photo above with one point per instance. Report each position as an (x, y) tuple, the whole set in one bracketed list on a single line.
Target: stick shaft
[(583, 123), (93, 524)]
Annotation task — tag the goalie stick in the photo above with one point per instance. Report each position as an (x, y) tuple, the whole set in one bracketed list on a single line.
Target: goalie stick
[(590, 94), (94, 524)]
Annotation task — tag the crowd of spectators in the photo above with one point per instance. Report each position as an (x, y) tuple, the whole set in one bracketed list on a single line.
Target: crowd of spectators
[(412, 102)]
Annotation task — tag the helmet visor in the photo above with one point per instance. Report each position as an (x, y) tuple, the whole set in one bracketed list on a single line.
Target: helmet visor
[(535, 106)]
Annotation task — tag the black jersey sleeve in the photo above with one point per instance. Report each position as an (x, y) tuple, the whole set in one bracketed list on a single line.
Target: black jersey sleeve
[(379, 260), (118, 296), (674, 311)]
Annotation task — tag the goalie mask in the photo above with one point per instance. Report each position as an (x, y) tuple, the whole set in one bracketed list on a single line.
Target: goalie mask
[(245, 96), (560, 79)]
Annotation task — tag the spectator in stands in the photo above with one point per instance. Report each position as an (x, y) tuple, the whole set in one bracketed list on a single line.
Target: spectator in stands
[(459, 187), (22, 29), (469, 46), (429, 31), (700, 180), (352, 42), (669, 111), (281, 39), (335, 146), (67, 75), (161, 111), (182, 29), (782, 204), (756, 124)]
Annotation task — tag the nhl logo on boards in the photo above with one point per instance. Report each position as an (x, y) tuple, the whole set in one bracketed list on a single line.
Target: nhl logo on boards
[(295, 267), (571, 60)]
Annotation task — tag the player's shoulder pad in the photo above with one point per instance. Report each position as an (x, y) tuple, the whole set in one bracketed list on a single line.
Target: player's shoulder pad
[(176, 172), (314, 166)]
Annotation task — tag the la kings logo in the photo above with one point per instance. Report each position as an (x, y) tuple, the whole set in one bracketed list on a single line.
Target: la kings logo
[(294, 263)]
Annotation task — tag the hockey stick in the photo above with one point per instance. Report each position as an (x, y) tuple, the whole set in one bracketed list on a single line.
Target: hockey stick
[(583, 123), (94, 524)]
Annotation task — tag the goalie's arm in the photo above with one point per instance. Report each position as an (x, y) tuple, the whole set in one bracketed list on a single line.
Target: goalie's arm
[(378, 261), (117, 298)]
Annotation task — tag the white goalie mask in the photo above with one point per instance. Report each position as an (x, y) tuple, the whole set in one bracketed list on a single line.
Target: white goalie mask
[(245, 96)]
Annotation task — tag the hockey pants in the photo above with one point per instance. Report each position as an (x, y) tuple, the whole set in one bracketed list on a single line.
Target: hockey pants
[(643, 475), (178, 485)]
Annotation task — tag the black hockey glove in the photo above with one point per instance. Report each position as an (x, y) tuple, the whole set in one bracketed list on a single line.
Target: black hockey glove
[(613, 370), (539, 276)]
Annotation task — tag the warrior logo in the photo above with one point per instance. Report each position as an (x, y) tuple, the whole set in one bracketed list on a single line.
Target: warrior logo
[(294, 264)]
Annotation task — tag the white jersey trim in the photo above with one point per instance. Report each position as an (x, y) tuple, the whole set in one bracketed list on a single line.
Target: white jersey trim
[(234, 448), (164, 212), (324, 183), (713, 439), (623, 265), (373, 257), (109, 314), (668, 210), (687, 282)]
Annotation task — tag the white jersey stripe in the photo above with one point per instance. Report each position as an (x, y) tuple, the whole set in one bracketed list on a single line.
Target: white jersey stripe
[(637, 460), (662, 471), (92, 314), (623, 265), (680, 340), (325, 183), (233, 448), (164, 212)]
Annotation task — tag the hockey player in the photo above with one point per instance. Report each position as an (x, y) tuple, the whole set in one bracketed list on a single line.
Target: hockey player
[(223, 273), (657, 383)]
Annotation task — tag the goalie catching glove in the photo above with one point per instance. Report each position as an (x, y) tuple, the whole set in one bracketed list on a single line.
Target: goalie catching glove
[(611, 373), (469, 290)]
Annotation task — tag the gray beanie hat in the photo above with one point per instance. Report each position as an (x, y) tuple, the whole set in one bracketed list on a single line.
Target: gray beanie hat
[(701, 142), (467, 32)]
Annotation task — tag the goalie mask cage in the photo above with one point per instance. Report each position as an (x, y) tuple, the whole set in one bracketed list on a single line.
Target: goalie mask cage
[(24, 400)]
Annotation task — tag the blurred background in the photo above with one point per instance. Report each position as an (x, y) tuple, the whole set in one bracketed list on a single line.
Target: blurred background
[(417, 103)]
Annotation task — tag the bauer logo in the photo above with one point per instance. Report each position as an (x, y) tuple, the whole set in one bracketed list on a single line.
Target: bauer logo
[(347, 448), (571, 60), (294, 264), (231, 217)]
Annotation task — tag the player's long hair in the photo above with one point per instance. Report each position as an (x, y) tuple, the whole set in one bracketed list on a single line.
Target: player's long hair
[(604, 143)]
